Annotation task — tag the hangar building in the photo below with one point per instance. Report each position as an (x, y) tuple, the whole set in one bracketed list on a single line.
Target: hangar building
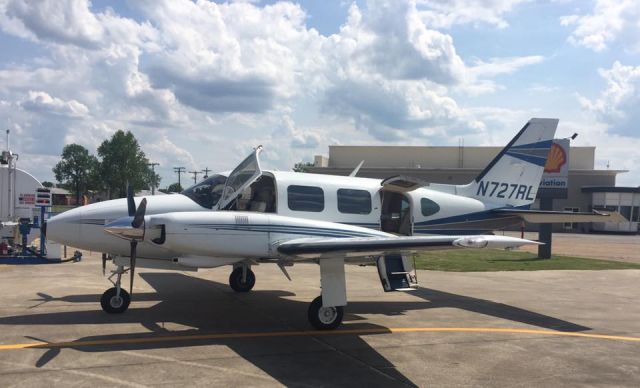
[(459, 165)]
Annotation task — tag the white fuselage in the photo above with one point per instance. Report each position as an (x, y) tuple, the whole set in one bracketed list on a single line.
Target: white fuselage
[(241, 234)]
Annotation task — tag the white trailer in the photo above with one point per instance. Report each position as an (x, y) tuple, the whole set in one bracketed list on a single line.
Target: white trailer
[(17, 194)]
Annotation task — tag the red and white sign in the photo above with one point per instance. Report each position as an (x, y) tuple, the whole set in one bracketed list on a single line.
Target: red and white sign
[(556, 170), (26, 199)]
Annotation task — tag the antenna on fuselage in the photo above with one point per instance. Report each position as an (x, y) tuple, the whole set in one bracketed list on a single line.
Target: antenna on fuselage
[(355, 170)]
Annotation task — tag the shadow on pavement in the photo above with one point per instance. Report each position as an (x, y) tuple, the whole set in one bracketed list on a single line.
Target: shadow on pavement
[(205, 306)]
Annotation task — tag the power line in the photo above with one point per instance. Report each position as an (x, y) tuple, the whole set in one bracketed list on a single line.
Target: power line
[(153, 176), (206, 173), (195, 176)]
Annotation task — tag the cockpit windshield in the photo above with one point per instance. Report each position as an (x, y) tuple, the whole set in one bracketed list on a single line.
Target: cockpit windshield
[(207, 193)]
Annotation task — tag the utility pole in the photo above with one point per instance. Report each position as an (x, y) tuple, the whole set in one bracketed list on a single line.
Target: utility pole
[(153, 176), (206, 173), (195, 176), (179, 170)]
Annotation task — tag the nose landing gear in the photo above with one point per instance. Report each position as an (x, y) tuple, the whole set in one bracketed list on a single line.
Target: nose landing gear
[(113, 302), (116, 300)]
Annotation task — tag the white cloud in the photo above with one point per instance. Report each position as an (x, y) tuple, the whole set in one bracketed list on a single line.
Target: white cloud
[(618, 103), (478, 80), (606, 23), (71, 22), (613, 151), (232, 57), (167, 153), (445, 14), (504, 65), (42, 102), (216, 79)]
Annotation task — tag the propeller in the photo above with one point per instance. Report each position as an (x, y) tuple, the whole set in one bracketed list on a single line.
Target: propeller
[(129, 228), (138, 222), (131, 204)]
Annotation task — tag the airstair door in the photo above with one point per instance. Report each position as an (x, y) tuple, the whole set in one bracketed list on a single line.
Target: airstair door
[(397, 273), (240, 178)]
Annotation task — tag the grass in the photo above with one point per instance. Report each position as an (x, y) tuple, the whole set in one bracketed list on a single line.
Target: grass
[(469, 260)]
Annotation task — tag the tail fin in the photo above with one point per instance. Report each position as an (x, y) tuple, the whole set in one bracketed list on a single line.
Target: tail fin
[(513, 176)]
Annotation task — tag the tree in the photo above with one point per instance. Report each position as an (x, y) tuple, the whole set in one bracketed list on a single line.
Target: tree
[(47, 184), (123, 163), (76, 169), (302, 166), (174, 188)]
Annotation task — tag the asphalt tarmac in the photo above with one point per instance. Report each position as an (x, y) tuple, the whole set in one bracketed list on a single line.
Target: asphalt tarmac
[(545, 328)]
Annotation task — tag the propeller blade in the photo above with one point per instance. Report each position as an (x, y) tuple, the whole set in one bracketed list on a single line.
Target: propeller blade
[(138, 218), (131, 204), (134, 245), (104, 263)]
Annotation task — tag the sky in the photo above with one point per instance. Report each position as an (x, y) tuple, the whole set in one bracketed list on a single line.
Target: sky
[(201, 83)]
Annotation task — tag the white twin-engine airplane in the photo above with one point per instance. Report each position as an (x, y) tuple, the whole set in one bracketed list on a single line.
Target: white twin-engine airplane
[(253, 216)]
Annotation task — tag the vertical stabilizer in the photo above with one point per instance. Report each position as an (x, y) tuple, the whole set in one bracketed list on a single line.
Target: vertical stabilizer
[(513, 176)]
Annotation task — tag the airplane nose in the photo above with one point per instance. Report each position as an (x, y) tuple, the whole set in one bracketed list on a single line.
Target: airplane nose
[(65, 227)]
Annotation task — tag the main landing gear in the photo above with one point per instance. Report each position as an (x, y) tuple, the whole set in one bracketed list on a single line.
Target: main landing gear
[(116, 299), (324, 318), (242, 279)]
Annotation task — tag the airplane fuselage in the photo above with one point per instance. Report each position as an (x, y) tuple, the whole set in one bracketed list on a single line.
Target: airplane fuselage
[(360, 204)]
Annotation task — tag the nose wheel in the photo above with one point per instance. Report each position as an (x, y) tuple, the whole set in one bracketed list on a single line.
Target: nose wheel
[(113, 302), (116, 299), (242, 279), (324, 318)]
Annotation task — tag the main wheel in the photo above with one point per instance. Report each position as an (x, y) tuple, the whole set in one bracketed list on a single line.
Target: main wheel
[(236, 283), (114, 304), (324, 318)]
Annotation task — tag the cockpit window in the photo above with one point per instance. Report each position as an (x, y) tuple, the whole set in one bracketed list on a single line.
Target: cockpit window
[(207, 193)]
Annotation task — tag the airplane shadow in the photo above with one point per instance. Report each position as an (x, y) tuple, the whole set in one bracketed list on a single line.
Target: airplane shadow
[(206, 306)]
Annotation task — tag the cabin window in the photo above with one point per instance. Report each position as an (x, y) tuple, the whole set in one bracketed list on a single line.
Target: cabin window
[(305, 198), (428, 207), (354, 201)]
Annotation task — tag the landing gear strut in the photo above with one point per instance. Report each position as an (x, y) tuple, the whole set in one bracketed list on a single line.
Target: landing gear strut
[(116, 299), (242, 279)]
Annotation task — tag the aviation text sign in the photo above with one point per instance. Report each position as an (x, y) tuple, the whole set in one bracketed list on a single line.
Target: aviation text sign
[(555, 179)]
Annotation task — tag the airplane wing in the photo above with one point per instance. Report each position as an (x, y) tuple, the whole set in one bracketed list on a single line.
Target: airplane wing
[(548, 216), (308, 248)]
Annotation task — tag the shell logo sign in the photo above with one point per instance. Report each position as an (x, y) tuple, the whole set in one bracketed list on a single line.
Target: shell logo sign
[(555, 179), (556, 159)]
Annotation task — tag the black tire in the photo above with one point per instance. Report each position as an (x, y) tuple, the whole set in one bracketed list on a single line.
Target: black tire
[(236, 283), (324, 318), (112, 304)]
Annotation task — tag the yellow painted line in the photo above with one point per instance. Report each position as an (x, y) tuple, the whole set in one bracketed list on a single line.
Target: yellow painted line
[(309, 333)]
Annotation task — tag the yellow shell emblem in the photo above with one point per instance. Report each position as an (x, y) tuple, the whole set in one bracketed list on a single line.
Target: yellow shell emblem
[(556, 159)]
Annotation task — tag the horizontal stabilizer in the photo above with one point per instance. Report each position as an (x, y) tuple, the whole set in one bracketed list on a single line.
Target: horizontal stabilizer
[(378, 246), (549, 217)]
